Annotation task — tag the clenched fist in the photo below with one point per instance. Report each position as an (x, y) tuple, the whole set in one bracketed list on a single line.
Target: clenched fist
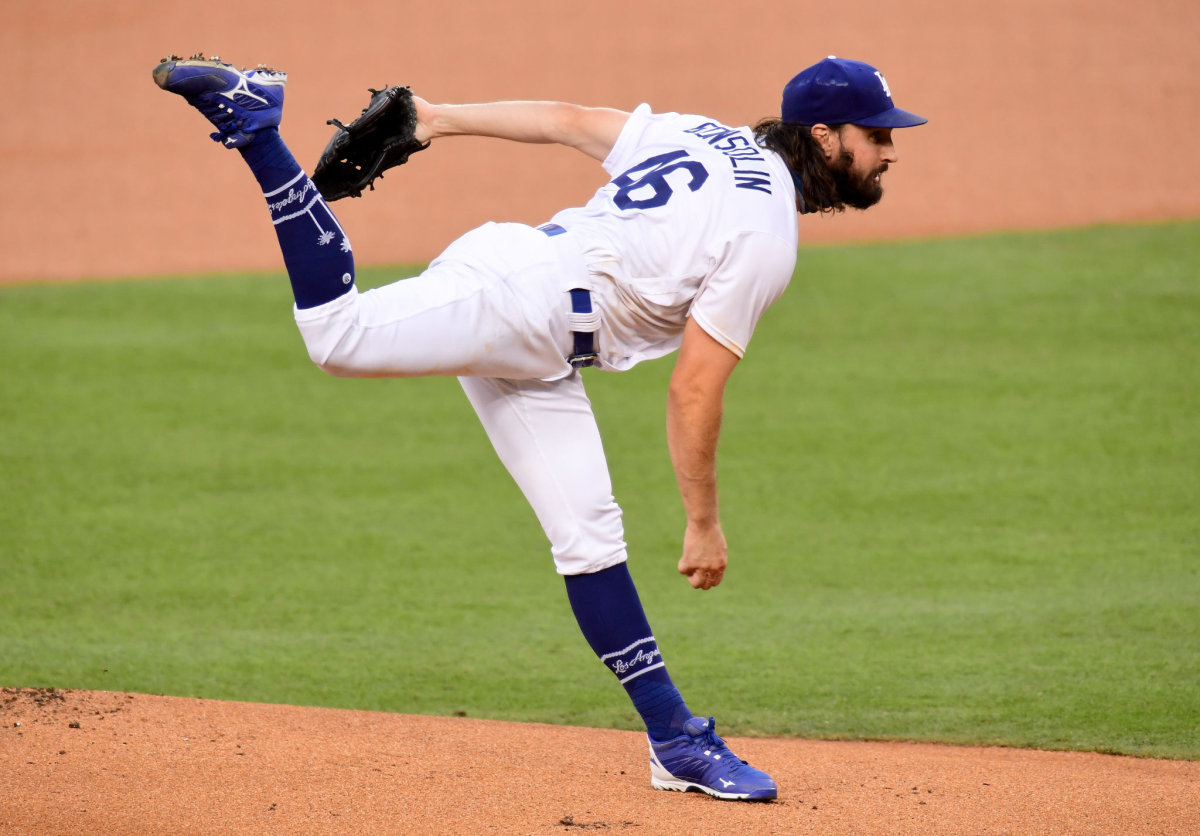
[(704, 555)]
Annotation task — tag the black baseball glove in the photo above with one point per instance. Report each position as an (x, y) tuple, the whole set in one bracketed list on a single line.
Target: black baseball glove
[(383, 137)]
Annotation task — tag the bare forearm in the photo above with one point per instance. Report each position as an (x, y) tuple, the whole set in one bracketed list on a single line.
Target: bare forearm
[(693, 428), (592, 130), (519, 121), (694, 403)]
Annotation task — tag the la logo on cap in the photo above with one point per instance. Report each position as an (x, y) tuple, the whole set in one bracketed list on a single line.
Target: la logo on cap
[(839, 91)]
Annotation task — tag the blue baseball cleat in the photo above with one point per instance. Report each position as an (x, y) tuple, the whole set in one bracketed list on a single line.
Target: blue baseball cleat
[(699, 760), (237, 102)]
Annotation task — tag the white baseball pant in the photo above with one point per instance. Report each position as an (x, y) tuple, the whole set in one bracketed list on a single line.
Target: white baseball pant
[(492, 310)]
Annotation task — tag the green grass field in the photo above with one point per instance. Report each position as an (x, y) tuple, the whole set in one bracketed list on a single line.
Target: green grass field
[(960, 482)]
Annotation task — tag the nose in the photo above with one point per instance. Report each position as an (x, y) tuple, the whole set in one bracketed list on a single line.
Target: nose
[(889, 154)]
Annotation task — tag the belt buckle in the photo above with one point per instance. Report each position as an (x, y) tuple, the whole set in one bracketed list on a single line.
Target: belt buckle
[(579, 361)]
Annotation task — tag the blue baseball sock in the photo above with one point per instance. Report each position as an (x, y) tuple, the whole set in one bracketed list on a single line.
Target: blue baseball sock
[(316, 251), (610, 614)]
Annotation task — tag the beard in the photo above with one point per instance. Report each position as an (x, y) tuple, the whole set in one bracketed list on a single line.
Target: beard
[(858, 190)]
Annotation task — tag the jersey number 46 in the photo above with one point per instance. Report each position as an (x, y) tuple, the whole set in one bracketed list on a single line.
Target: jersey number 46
[(652, 174)]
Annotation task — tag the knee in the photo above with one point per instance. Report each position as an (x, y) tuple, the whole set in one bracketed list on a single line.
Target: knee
[(588, 537), (342, 361), (332, 367), (329, 359), (328, 332)]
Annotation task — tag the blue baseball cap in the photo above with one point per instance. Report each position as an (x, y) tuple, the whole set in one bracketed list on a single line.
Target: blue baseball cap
[(836, 91)]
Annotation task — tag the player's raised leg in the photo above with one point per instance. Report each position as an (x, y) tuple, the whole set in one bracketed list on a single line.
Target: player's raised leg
[(490, 305), (246, 107), (546, 435)]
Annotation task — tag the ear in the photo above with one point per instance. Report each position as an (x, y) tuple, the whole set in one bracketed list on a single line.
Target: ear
[(828, 139)]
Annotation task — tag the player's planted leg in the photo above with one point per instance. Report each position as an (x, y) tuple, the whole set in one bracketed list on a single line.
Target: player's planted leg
[(546, 435), (246, 107)]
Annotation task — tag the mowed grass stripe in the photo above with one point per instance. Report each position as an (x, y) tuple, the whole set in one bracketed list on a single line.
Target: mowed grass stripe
[(960, 481)]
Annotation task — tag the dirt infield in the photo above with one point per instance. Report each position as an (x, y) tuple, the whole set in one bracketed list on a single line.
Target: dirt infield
[(1043, 113), (96, 762)]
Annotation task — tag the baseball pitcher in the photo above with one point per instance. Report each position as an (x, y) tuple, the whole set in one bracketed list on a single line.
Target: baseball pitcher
[(685, 247)]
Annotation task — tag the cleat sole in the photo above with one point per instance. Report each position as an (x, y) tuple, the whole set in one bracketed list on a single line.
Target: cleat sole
[(677, 785)]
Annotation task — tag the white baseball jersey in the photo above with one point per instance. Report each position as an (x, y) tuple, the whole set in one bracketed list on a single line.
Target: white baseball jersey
[(698, 221)]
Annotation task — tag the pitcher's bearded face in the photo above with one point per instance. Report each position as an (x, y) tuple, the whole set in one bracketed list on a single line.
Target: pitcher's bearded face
[(862, 158)]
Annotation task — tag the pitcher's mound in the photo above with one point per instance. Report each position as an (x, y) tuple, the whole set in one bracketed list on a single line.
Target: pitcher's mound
[(76, 762)]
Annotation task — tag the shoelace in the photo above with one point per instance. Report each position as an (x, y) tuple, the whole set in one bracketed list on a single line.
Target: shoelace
[(717, 746), (222, 118), (207, 103)]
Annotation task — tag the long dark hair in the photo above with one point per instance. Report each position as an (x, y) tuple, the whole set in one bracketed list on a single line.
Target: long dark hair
[(804, 156)]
